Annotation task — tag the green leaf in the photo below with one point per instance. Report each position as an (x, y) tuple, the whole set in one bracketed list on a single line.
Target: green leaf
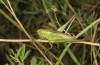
[(41, 62), (10, 60), (6, 64), (18, 51), (33, 61), (26, 54), (46, 64), (22, 52), (12, 51)]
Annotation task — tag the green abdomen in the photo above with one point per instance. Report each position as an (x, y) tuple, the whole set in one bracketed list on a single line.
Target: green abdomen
[(54, 36)]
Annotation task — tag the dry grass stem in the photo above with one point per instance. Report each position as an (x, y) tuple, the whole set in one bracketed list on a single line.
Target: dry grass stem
[(39, 40)]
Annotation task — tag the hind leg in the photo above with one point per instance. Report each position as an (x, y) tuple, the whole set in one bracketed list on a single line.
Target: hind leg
[(51, 46)]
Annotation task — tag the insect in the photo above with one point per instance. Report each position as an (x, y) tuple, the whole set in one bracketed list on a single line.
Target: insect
[(53, 36)]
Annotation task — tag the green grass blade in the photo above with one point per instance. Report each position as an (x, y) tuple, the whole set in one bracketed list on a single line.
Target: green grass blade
[(10, 19), (73, 57), (87, 28)]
